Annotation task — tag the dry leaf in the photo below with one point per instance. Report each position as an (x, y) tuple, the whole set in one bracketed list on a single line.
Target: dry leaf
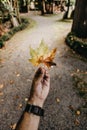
[(1, 93), (77, 70), (1, 100), (78, 112), (11, 81), (76, 122), (1, 86), (71, 108), (58, 100), (13, 126), (26, 99), (42, 55), (18, 75), (20, 106), (29, 80), (1, 60), (72, 74)]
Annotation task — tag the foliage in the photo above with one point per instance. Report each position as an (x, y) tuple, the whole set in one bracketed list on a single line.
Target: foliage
[(8, 35), (7, 5), (81, 84), (42, 55), (1, 43), (78, 44)]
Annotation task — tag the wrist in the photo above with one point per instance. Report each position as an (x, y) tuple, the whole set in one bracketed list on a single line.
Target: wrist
[(35, 102)]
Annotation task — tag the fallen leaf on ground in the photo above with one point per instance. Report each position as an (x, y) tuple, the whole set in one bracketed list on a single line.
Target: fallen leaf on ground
[(78, 112), (72, 74), (1, 60), (26, 99), (13, 126), (76, 122), (11, 82), (1, 100), (1, 86), (16, 96), (18, 75), (42, 55), (77, 70), (28, 80), (71, 108), (1, 93), (57, 100), (20, 106)]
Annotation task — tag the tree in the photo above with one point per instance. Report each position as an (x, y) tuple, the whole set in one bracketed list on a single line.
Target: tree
[(6, 5), (67, 11), (23, 6), (79, 26)]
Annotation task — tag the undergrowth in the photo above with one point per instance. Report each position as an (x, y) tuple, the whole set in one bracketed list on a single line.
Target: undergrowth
[(8, 35), (77, 44)]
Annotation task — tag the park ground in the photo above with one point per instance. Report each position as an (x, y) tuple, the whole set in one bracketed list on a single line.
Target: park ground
[(16, 74)]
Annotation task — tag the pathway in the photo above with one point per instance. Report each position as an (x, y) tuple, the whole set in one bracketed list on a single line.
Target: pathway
[(16, 74)]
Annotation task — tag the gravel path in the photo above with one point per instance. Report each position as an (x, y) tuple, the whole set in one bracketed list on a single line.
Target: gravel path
[(16, 75)]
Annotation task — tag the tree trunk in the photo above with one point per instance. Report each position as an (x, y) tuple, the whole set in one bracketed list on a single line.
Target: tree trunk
[(16, 7), (67, 12), (42, 6), (79, 26), (14, 21)]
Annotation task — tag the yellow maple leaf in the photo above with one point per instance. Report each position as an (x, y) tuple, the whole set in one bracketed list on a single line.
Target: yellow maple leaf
[(43, 55)]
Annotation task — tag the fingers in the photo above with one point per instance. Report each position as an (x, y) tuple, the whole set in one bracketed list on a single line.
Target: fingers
[(46, 76), (39, 74), (42, 76)]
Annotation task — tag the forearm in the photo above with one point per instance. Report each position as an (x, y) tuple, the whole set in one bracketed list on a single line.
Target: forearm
[(38, 94), (28, 121)]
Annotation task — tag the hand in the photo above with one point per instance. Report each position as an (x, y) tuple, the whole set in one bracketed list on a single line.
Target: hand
[(40, 87)]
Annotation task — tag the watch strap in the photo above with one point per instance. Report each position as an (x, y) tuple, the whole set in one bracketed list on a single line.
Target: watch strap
[(34, 109)]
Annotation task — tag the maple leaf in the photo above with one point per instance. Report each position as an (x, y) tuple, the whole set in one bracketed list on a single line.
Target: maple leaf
[(43, 55)]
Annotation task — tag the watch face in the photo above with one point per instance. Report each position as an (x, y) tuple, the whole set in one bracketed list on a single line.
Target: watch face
[(36, 110)]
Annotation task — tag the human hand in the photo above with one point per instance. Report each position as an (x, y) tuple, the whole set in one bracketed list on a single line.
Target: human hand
[(40, 87)]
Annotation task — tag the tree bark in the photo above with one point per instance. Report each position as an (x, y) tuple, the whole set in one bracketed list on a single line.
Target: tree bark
[(79, 26), (43, 7), (67, 11)]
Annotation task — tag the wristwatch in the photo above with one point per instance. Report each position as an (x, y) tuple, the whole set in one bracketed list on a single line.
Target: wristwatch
[(34, 109)]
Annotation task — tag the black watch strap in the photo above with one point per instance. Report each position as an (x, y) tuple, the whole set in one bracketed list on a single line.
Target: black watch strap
[(34, 109)]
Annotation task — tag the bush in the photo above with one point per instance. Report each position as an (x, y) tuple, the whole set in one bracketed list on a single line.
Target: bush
[(80, 84), (8, 35), (77, 44), (1, 44)]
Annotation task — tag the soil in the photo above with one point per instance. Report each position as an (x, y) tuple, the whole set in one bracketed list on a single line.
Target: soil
[(16, 74)]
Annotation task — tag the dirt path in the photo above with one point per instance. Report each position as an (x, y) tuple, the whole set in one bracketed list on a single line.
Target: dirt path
[(16, 74)]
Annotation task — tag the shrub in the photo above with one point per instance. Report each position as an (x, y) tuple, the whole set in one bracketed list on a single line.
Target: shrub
[(8, 35), (77, 44), (1, 43)]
